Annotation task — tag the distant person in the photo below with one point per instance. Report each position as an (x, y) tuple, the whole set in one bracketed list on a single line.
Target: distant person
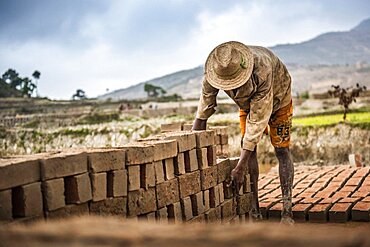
[(259, 83)]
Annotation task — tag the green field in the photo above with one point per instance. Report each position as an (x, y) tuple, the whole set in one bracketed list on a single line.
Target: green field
[(361, 119)]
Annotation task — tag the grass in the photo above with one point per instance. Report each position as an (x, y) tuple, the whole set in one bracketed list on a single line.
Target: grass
[(359, 119)]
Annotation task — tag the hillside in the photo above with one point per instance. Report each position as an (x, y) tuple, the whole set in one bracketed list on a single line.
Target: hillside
[(330, 48), (330, 58)]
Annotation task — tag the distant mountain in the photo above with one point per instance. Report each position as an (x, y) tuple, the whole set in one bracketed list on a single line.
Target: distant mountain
[(334, 49), (330, 48), (168, 82)]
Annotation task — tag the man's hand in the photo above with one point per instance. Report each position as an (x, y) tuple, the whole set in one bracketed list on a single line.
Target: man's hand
[(237, 174), (199, 124), (237, 177)]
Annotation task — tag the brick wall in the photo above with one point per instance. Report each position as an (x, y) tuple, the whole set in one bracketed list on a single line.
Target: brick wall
[(172, 177)]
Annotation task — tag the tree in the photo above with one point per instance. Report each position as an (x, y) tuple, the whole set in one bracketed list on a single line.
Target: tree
[(346, 97), (23, 85), (153, 91), (80, 94), (36, 75)]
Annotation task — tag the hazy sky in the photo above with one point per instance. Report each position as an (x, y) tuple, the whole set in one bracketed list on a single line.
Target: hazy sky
[(95, 45)]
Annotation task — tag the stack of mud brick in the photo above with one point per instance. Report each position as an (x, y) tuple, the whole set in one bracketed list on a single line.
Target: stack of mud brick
[(221, 142), (172, 177)]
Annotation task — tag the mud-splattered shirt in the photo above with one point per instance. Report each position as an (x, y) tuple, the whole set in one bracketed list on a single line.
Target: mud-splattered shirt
[(267, 90)]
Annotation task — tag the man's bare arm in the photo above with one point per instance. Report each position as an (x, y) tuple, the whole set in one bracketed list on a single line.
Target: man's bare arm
[(199, 124)]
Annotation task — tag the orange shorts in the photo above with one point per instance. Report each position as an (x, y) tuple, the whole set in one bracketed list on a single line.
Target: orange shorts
[(280, 125)]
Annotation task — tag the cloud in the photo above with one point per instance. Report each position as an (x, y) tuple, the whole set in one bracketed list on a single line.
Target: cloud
[(96, 45)]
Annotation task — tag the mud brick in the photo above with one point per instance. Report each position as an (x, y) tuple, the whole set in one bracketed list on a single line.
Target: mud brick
[(167, 192), (179, 164), (359, 194), (189, 184), (202, 158), (197, 203), (151, 217), (324, 193), (225, 150), (12, 177), (223, 170), (117, 183), (218, 150), (214, 196), (208, 177), (53, 191), (361, 211), (243, 203), (233, 162), (310, 200), (187, 210), (265, 207), (217, 139), (139, 153), (141, 201), (110, 206), (147, 175), (99, 186), (5, 205), (348, 188), (213, 215), (300, 211), (133, 173), (228, 210), (187, 127), (340, 212), (68, 211), (197, 219), (341, 194), (221, 192), (77, 189), (354, 181), (162, 215), (366, 199), (174, 212), (169, 168), (164, 149), (103, 160), (159, 172), (204, 138), (211, 155), (275, 211), (171, 127), (224, 139), (228, 191), (63, 165), (319, 212), (27, 200), (191, 161), (206, 200), (185, 140)]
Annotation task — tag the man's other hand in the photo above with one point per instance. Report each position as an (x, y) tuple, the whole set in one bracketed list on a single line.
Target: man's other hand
[(237, 177), (199, 124)]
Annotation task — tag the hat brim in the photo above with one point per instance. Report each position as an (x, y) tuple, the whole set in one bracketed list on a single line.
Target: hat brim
[(242, 77)]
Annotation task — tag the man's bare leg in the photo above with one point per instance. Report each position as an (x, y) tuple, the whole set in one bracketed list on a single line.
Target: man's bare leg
[(286, 173), (254, 173)]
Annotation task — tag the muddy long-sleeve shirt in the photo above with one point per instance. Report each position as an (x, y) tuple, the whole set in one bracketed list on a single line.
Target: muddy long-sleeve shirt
[(267, 90)]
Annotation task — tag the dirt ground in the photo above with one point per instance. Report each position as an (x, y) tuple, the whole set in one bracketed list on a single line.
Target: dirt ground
[(98, 231)]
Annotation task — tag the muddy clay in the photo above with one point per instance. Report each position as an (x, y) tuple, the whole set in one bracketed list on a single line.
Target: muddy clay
[(98, 231)]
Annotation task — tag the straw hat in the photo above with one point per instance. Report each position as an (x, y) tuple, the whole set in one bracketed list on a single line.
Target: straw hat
[(229, 65)]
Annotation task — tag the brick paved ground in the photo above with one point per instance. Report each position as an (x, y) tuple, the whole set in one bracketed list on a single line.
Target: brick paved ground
[(320, 194)]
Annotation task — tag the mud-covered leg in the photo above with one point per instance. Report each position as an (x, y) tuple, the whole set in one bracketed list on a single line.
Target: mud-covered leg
[(254, 173), (286, 173)]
